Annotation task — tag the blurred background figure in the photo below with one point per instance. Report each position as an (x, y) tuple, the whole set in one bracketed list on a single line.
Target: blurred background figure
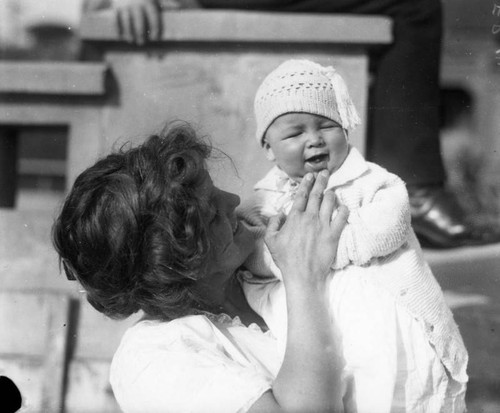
[(464, 159)]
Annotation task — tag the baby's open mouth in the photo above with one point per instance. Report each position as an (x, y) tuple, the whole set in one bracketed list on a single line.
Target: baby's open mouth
[(316, 159), (316, 163)]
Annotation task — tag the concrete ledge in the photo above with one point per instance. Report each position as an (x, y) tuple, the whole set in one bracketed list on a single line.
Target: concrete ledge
[(51, 78), (244, 26)]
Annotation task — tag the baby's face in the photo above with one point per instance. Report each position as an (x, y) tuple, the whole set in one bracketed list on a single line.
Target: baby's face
[(303, 142)]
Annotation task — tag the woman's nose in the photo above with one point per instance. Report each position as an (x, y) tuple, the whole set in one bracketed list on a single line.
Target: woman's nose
[(231, 201), (236, 200)]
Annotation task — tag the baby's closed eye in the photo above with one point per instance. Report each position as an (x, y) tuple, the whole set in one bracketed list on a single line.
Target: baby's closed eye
[(292, 135)]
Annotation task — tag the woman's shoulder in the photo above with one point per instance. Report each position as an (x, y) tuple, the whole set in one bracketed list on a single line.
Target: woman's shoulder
[(186, 335), (157, 351), (159, 366), (148, 334)]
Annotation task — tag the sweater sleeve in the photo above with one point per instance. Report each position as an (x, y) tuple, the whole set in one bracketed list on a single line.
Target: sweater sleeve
[(379, 221)]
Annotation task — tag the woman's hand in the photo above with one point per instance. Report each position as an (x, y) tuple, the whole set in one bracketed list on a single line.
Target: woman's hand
[(304, 248), (305, 245)]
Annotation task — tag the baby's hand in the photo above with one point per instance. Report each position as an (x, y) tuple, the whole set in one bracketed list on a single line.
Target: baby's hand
[(304, 245)]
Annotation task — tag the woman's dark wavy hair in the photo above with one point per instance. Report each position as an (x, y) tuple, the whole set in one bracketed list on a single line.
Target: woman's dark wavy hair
[(132, 229)]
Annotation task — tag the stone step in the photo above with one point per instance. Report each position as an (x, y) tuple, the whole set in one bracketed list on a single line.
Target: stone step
[(52, 78)]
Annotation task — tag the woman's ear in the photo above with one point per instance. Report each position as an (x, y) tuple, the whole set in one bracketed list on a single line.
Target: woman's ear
[(269, 152)]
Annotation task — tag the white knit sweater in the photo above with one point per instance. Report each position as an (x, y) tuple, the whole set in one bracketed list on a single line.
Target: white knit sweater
[(378, 233)]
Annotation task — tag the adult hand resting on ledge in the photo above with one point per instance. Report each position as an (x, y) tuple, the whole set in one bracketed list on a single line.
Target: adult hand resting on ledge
[(139, 21)]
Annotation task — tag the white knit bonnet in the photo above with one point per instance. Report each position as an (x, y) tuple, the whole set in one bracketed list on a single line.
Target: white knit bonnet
[(306, 87)]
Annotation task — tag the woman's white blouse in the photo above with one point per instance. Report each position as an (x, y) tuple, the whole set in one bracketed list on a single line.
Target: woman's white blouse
[(193, 364)]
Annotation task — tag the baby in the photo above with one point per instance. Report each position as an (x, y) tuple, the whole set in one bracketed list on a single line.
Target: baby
[(402, 349)]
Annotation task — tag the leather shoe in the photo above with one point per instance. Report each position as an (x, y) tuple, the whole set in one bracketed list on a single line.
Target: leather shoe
[(440, 222)]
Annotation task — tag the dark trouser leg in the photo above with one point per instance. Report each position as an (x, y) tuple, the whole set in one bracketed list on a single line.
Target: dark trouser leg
[(404, 103)]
